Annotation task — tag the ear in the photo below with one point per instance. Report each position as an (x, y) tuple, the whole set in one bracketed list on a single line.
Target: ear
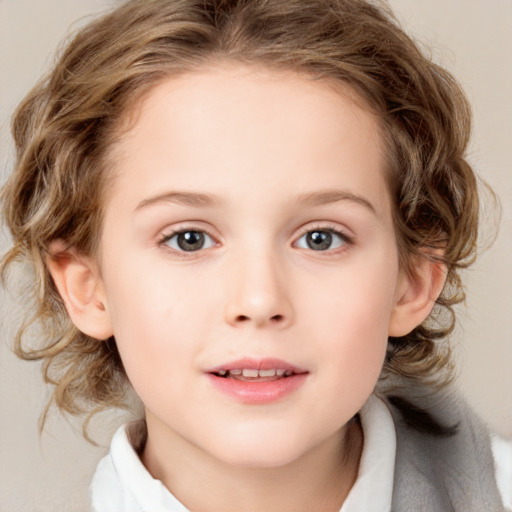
[(80, 286), (417, 293)]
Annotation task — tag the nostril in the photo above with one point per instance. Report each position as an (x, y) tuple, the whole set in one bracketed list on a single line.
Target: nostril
[(244, 318)]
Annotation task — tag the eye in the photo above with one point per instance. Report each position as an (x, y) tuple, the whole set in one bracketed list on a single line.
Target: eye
[(188, 241), (322, 240)]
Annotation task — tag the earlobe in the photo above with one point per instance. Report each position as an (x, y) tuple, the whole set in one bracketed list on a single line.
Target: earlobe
[(78, 282), (417, 293)]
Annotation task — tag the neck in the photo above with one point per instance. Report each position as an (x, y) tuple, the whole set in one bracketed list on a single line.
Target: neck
[(320, 480)]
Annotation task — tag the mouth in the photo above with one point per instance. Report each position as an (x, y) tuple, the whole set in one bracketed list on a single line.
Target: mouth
[(257, 381), (254, 370), (255, 375)]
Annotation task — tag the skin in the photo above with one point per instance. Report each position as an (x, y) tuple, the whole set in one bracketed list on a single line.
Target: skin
[(260, 142)]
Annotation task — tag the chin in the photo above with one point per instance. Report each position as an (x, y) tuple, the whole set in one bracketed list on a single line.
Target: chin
[(260, 451), (260, 459)]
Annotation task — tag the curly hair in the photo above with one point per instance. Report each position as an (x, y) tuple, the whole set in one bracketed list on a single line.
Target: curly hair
[(64, 127)]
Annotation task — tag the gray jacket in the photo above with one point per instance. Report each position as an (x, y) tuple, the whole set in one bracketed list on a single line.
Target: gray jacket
[(447, 471)]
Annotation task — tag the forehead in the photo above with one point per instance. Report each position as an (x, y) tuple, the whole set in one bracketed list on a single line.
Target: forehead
[(237, 122)]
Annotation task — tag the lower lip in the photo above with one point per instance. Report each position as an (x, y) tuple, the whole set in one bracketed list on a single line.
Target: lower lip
[(258, 392)]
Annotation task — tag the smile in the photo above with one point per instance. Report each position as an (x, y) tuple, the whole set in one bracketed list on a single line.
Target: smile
[(257, 381), (251, 375)]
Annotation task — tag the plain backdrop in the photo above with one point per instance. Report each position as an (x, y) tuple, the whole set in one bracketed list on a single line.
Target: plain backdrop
[(472, 38)]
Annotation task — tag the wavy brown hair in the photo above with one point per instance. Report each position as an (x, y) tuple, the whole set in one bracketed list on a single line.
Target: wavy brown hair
[(64, 127)]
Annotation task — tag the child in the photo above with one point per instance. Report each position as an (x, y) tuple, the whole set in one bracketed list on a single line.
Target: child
[(254, 213)]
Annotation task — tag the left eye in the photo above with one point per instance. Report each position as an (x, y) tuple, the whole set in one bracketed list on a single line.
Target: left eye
[(189, 241), (321, 240)]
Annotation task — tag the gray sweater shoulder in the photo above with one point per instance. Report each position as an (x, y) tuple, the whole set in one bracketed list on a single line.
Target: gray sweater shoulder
[(444, 461)]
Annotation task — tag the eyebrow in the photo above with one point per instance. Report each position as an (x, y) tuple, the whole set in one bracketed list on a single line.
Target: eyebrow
[(194, 199), (311, 199), (326, 197)]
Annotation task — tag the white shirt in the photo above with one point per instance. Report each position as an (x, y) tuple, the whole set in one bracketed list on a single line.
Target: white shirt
[(122, 483)]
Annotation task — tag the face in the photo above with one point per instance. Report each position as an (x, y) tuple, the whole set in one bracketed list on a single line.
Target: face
[(249, 263)]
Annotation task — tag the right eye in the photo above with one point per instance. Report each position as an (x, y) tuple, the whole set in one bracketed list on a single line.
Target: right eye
[(188, 241), (323, 239)]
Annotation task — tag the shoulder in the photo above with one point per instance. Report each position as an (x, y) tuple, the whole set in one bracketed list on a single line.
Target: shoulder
[(444, 460)]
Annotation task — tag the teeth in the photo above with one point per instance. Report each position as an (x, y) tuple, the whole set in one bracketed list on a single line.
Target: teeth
[(249, 373), (253, 373)]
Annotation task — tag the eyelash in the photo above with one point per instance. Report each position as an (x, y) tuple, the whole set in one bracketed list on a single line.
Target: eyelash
[(165, 238), (346, 239)]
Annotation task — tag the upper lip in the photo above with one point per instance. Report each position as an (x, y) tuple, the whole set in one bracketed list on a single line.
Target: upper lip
[(267, 363)]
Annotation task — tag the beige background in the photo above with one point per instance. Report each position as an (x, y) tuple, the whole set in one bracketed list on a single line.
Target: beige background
[(473, 38)]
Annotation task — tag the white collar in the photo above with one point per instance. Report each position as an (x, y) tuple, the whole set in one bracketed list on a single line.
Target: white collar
[(121, 482), (373, 489)]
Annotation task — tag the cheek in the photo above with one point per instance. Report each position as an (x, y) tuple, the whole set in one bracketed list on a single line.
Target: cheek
[(352, 318), (358, 297), (153, 322), (355, 339)]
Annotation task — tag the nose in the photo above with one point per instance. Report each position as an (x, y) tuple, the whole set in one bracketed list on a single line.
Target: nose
[(258, 292)]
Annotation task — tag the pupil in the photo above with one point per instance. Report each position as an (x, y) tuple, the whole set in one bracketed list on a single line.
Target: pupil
[(191, 240), (319, 240)]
